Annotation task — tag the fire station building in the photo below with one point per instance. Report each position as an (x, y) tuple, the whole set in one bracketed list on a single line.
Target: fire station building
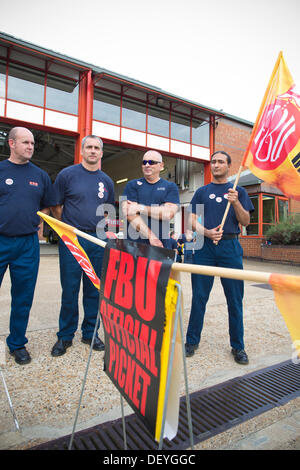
[(61, 100)]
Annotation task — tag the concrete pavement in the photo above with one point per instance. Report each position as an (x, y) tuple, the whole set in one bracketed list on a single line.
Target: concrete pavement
[(45, 393)]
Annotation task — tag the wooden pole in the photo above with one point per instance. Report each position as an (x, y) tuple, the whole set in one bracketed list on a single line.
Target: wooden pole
[(241, 274), (228, 203)]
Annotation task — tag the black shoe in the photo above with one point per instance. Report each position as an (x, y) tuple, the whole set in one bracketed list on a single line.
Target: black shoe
[(190, 349), (98, 344), (60, 347), (240, 356), (21, 355)]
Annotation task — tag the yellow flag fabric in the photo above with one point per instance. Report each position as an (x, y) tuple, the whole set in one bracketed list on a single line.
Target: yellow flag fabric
[(273, 153), (287, 296), (66, 233), (170, 309)]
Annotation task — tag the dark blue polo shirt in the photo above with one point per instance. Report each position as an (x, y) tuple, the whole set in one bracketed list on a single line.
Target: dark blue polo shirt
[(82, 192), (24, 190), (213, 198), (142, 192)]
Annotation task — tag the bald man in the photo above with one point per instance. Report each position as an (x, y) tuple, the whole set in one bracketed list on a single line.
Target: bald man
[(24, 190), (150, 203)]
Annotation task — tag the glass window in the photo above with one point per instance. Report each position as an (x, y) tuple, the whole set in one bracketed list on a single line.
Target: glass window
[(158, 121), (106, 108), (265, 228), (133, 115), (25, 85), (268, 209), (180, 127), (268, 212), (62, 94), (252, 229), (283, 209), (254, 216), (269, 215), (200, 132), (2, 79)]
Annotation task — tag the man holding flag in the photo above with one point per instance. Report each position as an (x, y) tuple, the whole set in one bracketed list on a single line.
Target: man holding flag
[(221, 248), (83, 192)]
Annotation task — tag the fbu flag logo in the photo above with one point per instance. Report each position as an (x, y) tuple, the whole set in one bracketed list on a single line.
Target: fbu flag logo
[(278, 132)]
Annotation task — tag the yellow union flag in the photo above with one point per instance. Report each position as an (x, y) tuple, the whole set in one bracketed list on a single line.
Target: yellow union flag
[(273, 153), (66, 233), (287, 296)]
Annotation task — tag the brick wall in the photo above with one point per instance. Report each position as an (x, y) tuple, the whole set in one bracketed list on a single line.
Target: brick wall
[(294, 206), (233, 138), (252, 247), (256, 248), (284, 254)]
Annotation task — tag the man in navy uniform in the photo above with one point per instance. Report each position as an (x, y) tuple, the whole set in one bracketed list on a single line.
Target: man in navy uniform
[(83, 192), (226, 253), (24, 190), (150, 203)]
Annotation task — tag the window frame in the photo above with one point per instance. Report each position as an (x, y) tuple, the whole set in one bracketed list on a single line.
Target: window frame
[(261, 223), (30, 68)]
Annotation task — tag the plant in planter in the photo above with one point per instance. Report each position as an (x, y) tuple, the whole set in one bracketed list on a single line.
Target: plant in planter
[(286, 232)]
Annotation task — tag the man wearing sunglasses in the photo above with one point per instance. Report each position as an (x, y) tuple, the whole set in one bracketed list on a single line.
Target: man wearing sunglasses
[(150, 203)]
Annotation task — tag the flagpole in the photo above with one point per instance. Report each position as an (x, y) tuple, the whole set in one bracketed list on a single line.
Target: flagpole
[(266, 95), (10, 402), (229, 203), (90, 238), (69, 228), (240, 274)]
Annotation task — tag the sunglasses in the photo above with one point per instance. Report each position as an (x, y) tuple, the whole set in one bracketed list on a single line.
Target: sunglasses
[(151, 162)]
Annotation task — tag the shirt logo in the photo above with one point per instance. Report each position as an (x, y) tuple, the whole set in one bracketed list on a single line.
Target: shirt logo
[(33, 183), (101, 190), (139, 183), (161, 189), (278, 132), (9, 181)]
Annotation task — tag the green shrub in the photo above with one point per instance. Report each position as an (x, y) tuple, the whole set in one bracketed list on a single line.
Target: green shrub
[(285, 233)]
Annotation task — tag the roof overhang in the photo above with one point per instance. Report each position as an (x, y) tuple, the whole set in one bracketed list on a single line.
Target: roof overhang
[(246, 179), (101, 75)]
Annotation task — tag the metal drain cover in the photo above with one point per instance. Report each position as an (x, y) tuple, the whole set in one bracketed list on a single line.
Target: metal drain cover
[(214, 410)]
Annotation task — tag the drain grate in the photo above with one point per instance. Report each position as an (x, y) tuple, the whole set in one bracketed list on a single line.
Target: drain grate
[(214, 410)]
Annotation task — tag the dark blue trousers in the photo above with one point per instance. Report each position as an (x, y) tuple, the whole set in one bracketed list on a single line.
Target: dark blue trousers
[(227, 254), (21, 255), (188, 257), (71, 275)]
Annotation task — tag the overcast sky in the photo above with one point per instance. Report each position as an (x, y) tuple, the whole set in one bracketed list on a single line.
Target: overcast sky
[(219, 53)]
